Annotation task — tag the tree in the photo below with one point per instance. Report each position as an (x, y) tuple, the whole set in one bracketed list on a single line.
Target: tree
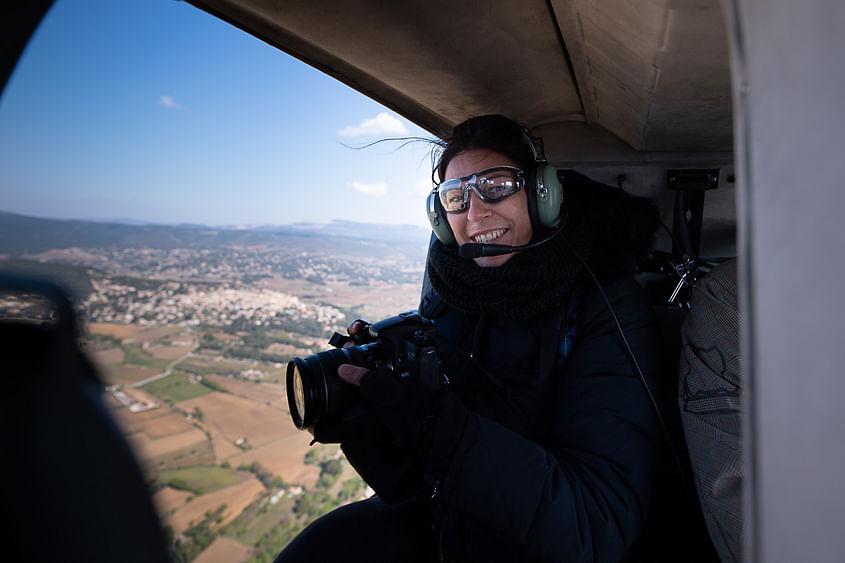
[(333, 467)]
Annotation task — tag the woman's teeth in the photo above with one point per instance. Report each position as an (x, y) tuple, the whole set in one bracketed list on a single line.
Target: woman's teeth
[(487, 237)]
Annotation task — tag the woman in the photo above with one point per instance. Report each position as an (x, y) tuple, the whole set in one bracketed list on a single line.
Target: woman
[(543, 444)]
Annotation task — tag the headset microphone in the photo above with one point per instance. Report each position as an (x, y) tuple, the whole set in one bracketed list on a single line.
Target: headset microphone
[(475, 250)]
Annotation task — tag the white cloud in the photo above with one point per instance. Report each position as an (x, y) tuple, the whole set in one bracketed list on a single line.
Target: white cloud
[(377, 189), (169, 102), (382, 124)]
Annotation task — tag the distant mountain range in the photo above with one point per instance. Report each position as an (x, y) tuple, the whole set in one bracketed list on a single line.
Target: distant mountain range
[(21, 235)]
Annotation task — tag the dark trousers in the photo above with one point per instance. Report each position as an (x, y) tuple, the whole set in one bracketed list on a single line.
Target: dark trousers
[(368, 530)]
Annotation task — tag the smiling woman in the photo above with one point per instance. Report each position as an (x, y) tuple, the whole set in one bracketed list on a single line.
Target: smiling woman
[(537, 440), (504, 221)]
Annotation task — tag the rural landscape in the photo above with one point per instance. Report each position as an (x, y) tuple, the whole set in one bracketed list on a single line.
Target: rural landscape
[(191, 328)]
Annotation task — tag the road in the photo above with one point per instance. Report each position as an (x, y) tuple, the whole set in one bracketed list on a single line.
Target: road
[(169, 368)]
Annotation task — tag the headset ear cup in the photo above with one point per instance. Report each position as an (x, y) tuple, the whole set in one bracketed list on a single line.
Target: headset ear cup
[(438, 221), (549, 196)]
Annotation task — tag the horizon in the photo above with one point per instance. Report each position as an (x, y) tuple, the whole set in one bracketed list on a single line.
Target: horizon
[(235, 226), (157, 112)]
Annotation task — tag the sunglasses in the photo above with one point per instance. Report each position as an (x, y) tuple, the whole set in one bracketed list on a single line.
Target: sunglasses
[(491, 185)]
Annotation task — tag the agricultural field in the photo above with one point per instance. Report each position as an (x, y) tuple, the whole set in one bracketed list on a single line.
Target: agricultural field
[(206, 364), (271, 394), (190, 447), (202, 479), (238, 418), (284, 457), (214, 437), (224, 549), (191, 343), (234, 499), (168, 499), (177, 387)]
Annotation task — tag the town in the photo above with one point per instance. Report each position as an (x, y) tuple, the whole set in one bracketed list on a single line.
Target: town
[(191, 343)]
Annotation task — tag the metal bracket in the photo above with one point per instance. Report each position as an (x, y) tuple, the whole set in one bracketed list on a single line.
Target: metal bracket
[(690, 186)]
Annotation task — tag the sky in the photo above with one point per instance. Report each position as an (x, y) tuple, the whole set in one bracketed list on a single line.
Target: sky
[(152, 110)]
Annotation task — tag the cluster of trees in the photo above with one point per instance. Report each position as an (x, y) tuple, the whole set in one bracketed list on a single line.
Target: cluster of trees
[(329, 472), (214, 386), (311, 504), (274, 542), (195, 539), (182, 485), (268, 479)]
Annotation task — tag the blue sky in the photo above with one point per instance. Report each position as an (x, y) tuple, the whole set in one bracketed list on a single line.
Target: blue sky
[(154, 110)]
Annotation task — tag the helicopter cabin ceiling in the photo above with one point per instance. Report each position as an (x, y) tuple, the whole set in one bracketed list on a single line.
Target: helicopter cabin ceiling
[(654, 73)]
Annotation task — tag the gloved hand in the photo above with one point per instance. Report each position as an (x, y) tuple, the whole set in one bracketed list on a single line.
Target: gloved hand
[(426, 423), (394, 474), (399, 433)]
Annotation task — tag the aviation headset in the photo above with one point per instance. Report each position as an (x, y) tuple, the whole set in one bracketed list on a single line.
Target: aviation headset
[(545, 196)]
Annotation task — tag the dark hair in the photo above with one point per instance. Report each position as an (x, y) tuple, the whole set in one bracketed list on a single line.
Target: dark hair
[(493, 132)]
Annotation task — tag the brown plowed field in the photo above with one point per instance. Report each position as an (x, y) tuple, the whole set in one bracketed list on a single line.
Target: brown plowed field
[(116, 330), (150, 448), (284, 457), (262, 393), (133, 421), (224, 448), (168, 352), (148, 334), (127, 375), (224, 549), (193, 455), (236, 417), (166, 425), (168, 499), (236, 498), (107, 357)]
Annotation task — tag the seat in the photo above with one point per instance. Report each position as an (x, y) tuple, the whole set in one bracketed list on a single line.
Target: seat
[(709, 396)]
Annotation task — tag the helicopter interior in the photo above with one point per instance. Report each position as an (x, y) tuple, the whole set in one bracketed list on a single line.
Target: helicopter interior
[(653, 98)]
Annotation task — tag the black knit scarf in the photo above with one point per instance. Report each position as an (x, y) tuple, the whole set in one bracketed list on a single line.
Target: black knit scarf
[(532, 283)]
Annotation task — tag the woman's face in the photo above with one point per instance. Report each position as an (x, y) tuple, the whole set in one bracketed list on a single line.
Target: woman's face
[(505, 222)]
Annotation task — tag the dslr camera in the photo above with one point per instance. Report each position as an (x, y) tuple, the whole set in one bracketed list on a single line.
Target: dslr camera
[(404, 343)]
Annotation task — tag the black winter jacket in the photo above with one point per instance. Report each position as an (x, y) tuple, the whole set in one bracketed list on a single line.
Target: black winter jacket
[(561, 466)]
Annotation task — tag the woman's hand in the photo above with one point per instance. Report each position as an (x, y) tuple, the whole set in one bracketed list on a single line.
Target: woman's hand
[(356, 326), (352, 374)]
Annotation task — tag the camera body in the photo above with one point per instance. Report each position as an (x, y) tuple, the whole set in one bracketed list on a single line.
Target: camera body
[(404, 343)]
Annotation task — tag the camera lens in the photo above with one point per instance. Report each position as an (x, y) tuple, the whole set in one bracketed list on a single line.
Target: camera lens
[(298, 407), (315, 391)]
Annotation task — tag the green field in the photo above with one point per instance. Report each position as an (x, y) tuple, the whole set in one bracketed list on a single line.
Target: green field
[(203, 365), (202, 478), (176, 387), (257, 522), (134, 355)]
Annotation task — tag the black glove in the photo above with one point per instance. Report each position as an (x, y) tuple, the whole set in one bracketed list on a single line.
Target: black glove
[(426, 423), (398, 433), (394, 475)]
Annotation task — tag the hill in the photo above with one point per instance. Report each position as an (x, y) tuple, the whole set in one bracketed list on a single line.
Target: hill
[(22, 235)]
